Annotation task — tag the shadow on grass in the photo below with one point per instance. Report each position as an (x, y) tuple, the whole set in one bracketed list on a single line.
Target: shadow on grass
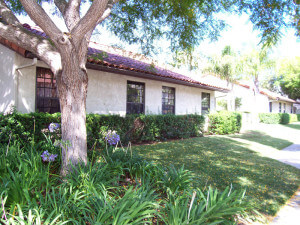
[(264, 139), (220, 162), (294, 126)]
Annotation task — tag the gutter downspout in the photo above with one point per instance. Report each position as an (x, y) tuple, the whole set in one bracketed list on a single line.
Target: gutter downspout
[(34, 62)]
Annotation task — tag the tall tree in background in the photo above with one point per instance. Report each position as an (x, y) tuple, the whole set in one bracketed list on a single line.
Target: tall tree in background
[(287, 78), (183, 23), (226, 66), (255, 63)]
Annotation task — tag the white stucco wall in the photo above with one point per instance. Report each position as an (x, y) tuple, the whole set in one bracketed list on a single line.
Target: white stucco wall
[(7, 91), (247, 98), (262, 103), (107, 92), (275, 106), (107, 95)]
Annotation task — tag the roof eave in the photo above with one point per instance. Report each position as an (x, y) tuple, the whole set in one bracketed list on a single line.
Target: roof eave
[(151, 77)]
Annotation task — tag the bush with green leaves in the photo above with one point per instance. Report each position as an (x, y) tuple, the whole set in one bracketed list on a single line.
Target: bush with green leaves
[(224, 122), (278, 118), (131, 128)]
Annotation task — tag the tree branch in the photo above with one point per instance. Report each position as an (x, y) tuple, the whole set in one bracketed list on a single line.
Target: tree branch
[(90, 19), (31, 42), (40, 17), (7, 15), (61, 5), (72, 13)]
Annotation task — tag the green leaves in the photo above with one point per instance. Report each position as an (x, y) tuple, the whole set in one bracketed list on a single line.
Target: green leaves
[(224, 122), (289, 77), (211, 207)]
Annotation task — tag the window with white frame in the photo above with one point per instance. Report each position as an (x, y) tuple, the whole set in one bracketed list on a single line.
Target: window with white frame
[(205, 103), (135, 98), (270, 106), (168, 100)]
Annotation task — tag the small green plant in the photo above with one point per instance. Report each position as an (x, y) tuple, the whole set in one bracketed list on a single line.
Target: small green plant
[(211, 207)]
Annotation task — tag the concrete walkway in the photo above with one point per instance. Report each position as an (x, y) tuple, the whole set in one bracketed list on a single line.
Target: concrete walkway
[(290, 213)]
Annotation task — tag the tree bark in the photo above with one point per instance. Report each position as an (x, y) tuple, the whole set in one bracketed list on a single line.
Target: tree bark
[(66, 55), (72, 84)]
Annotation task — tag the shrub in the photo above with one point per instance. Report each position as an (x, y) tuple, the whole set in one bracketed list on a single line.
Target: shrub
[(269, 118), (278, 118), (224, 122), (134, 128)]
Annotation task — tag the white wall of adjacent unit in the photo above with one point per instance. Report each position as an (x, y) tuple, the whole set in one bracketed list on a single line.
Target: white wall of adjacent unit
[(107, 92)]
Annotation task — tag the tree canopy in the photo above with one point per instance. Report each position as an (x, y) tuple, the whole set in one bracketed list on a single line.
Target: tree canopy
[(287, 77), (185, 23)]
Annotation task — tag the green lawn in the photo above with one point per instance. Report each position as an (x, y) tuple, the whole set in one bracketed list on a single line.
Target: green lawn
[(240, 160)]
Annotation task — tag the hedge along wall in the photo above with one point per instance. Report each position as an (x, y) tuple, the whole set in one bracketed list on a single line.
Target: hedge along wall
[(134, 128), (224, 122), (278, 118)]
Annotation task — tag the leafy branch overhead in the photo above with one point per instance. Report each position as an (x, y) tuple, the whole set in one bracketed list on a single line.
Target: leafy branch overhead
[(182, 23)]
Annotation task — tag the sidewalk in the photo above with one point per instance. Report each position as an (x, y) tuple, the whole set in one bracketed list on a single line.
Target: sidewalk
[(290, 213)]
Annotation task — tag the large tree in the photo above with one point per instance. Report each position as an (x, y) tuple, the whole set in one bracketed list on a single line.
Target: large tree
[(287, 78), (227, 65), (183, 23), (254, 64)]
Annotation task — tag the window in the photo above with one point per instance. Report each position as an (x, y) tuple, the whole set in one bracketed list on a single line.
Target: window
[(280, 107), (270, 106), (168, 100), (205, 103), (46, 94), (284, 107), (135, 98), (291, 108)]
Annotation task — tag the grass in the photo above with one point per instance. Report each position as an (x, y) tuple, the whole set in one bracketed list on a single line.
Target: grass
[(240, 160), (294, 126)]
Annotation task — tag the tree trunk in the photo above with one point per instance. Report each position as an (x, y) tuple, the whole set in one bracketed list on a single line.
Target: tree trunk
[(72, 84)]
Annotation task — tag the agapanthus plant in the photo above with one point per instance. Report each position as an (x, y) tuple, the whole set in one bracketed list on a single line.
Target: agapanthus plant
[(112, 137), (53, 127), (48, 157)]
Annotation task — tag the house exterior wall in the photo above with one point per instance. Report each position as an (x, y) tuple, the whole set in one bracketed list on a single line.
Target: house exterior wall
[(107, 93), (261, 103), (247, 98), (250, 102), (7, 79), (275, 106)]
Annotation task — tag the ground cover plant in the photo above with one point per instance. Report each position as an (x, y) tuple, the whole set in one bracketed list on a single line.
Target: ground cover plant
[(221, 161), (115, 187)]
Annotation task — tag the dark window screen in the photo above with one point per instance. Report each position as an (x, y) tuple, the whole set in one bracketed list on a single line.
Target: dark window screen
[(135, 98), (205, 103), (46, 94), (168, 100)]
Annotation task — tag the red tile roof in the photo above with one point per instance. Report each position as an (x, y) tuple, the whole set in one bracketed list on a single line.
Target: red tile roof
[(116, 61), (275, 96)]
